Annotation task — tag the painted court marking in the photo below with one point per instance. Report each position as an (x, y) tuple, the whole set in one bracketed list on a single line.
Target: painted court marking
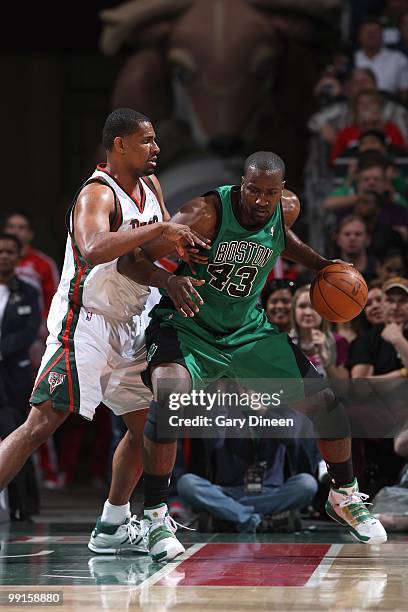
[(169, 567), (250, 565), (41, 553), (324, 565)]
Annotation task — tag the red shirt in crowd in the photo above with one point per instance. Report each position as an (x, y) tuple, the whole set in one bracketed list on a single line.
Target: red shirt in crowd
[(351, 134)]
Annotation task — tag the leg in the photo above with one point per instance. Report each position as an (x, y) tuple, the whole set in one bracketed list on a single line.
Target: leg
[(202, 494), (159, 456), (127, 460), (296, 493), (41, 423)]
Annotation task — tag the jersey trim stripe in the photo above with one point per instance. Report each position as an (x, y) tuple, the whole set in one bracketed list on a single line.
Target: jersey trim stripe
[(140, 205), (51, 364)]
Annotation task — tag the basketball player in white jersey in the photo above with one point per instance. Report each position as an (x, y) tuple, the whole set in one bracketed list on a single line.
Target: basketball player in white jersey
[(95, 349)]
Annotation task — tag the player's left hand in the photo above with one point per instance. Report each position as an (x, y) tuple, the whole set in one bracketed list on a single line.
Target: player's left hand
[(192, 256), (183, 295)]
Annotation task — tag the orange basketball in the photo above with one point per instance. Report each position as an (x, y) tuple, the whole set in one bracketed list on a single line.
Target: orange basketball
[(338, 293)]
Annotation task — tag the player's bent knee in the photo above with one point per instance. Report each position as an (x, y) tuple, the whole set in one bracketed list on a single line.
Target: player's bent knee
[(330, 419), (157, 427)]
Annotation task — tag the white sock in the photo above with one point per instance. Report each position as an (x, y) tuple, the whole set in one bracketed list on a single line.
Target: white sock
[(115, 514)]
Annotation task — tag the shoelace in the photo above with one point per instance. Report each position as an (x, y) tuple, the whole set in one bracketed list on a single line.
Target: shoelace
[(133, 529), (359, 500), (146, 525)]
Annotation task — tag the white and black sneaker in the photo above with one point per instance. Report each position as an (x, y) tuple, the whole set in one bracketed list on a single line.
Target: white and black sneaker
[(108, 538)]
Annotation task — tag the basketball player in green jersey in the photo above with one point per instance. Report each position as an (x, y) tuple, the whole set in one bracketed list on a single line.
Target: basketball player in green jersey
[(224, 333)]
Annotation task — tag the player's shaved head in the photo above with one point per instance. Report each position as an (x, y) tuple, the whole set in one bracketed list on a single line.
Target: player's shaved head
[(264, 160), (121, 122)]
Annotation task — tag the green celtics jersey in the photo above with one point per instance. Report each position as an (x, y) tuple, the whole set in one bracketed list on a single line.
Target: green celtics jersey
[(238, 264)]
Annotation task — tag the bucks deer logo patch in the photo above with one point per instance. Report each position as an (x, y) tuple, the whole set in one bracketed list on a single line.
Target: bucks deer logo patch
[(55, 379)]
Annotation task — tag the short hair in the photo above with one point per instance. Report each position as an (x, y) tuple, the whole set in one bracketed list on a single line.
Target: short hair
[(265, 160), (349, 219), (368, 71), (7, 236), (121, 122), (390, 254), (377, 134), (18, 213), (276, 285)]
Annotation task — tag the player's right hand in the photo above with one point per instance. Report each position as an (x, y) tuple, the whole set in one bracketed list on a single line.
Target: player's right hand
[(183, 235), (183, 295)]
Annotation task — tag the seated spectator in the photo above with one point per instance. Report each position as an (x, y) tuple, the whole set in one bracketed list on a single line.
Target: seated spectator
[(390, 67), (367, 116), (19, 323), (383, 350), (352, 242), (326, 351), (391, 264), (277, 301), (386, 224), (248, 489), (339, 114), (374, 141), (373, 313), (393, 12), (370, 175)]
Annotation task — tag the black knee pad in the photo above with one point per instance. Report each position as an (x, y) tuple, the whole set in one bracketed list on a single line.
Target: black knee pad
[(168, 433), (330, 420)]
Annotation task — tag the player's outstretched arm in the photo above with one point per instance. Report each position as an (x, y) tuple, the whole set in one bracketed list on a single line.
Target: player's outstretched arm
[(298, 251), (201, 215), (97, 244)]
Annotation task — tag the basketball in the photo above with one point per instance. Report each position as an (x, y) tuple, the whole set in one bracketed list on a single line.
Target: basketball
[(338, 293)]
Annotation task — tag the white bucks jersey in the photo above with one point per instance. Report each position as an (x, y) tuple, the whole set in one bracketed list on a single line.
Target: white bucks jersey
[(101, 288)]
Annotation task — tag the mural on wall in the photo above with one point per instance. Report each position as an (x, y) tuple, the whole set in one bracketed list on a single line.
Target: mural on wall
[(220, 79)]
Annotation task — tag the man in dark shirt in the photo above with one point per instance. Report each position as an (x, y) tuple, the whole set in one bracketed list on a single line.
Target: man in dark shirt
[(383, 350)]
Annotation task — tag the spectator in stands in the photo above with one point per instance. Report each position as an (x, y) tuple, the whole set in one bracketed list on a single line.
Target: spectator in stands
[(339, 114), (20, 319), (390, 67), (325, 350), (36, 268), (391, 264), (248, 489), (277, 301), (386, 224), (367, 115), (383, 350), (371, 175), (373, 313), (352, 241)]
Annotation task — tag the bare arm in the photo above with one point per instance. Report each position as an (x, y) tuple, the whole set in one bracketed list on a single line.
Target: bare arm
[(200, 214), (298, 251), (97, 244), (365, 370), (290, 207), (334, 203)]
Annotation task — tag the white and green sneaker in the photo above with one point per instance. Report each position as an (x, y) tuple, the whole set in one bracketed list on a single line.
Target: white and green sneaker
[(347, 507), (158, 529), (107, 538)]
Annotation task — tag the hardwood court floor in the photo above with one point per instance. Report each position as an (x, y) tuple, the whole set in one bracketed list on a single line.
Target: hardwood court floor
[(315, 570)]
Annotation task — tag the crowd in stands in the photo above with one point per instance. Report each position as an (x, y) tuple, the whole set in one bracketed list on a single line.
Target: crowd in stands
[(356, 201)]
